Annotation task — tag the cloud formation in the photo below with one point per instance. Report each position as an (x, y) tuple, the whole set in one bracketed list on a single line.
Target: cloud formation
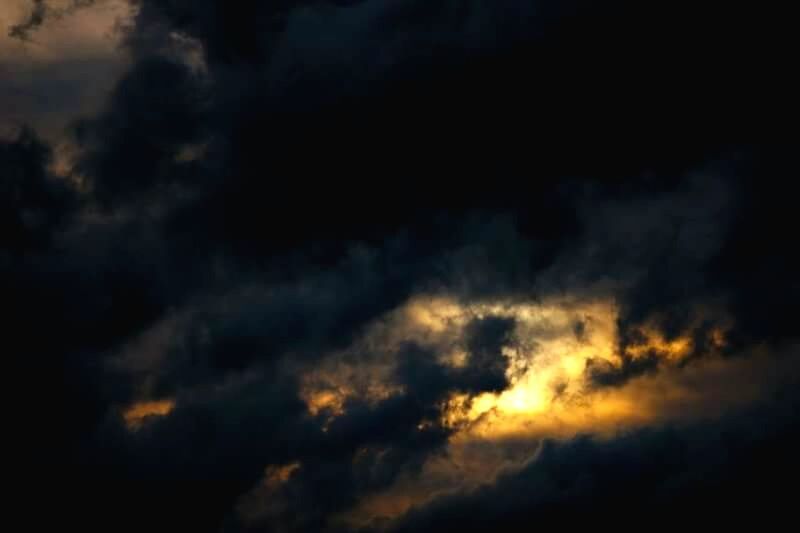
[(401, 265)]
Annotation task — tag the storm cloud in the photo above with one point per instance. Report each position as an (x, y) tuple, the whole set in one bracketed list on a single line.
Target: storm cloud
[(400, 265)]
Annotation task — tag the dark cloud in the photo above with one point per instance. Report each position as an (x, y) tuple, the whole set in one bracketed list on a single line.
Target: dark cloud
[(485, 368), (189, 469), (370, 446), (714, 474), (757, 256), (34, 202), (237, 216), (363, 450), (137, 143), (605, 374)]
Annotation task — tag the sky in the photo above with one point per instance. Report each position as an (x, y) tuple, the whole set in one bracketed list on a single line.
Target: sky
[(367, 266)]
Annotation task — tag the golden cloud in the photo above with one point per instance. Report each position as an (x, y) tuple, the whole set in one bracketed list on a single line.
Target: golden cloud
[(136, 414), (551, 394)]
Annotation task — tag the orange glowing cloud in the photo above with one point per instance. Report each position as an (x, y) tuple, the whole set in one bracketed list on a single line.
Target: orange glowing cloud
[(136, 414), (266, 498), (653, 341), (277, 475), (550, 394)]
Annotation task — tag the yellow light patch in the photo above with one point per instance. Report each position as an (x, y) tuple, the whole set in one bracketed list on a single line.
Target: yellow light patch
[(654, 342)]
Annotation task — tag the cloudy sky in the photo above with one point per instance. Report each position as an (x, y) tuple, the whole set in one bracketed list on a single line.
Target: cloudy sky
[(365, 266)]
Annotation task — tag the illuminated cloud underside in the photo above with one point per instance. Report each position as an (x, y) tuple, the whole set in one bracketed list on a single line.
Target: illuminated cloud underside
[(550, 395)]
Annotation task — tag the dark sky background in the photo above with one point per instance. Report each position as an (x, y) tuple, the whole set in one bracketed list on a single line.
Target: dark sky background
[(400, 265)]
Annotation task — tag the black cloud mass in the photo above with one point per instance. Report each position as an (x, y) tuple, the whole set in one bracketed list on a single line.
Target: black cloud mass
[(327, 267)]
